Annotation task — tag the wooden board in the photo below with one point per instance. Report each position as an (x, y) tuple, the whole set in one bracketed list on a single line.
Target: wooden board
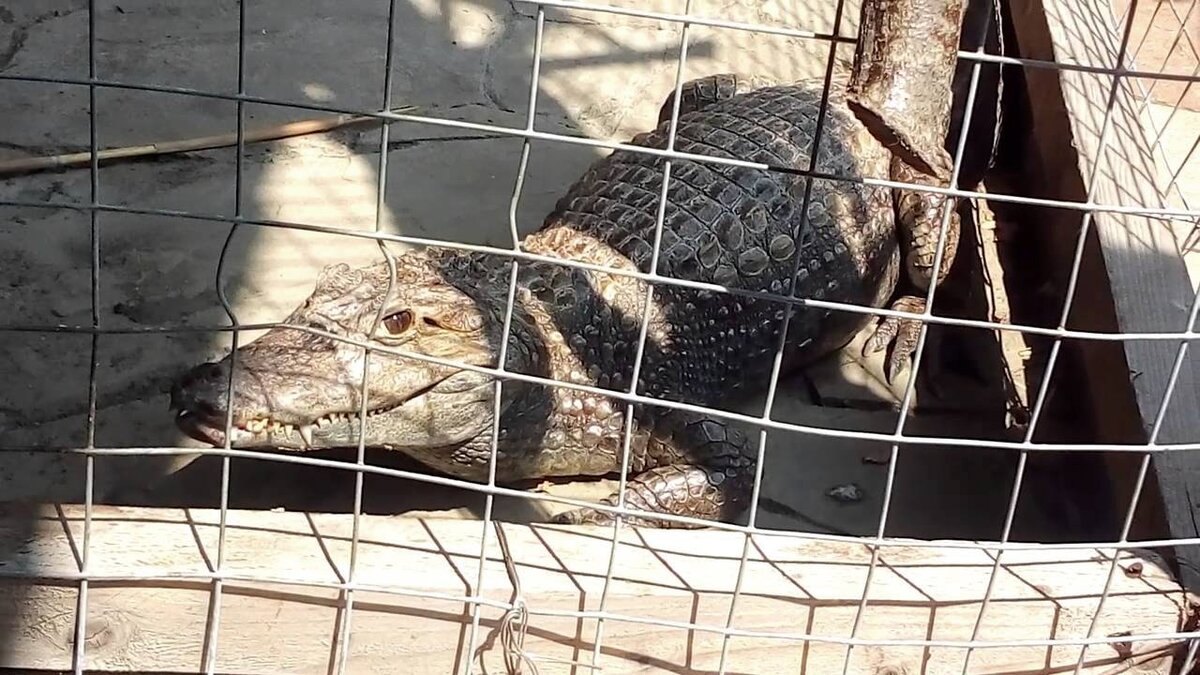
[(148, 600), (1147, 289)]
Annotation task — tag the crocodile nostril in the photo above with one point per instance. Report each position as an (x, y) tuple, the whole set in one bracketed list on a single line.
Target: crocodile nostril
[(204, 408), (205, 373)]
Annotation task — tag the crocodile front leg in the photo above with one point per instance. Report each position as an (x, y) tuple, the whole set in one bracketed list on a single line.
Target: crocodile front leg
[(692, 465), (919, 226)]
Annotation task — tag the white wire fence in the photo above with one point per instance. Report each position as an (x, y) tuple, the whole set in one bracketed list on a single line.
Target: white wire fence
[(97, 208), (1181, 55)]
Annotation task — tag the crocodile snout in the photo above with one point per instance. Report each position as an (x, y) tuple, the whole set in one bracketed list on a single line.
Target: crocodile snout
[(199, 399), (277, 397), (195, 390), (203, 391)]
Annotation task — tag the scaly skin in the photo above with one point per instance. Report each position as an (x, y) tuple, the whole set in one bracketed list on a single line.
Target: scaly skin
[(727, 225), (901, 82)]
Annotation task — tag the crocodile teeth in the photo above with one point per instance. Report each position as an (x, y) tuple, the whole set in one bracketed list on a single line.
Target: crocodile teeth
[(306, 433), (266, 425)]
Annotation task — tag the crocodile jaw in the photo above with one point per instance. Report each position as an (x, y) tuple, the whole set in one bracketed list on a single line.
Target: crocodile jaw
[(453, 410)]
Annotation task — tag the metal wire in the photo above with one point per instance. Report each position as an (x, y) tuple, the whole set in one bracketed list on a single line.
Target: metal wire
[(1189, 659), (1148, 95), (347, 609), (647, 306), (213, 629), (525, 255), (519, 611), (89, 489), (945, 441), (777, 364), (1048, 373), (911, 385), (1162, 212), (502, 358), (399, 591)]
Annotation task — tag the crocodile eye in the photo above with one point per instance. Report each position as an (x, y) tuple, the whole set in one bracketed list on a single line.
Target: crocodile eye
[(396, 324)]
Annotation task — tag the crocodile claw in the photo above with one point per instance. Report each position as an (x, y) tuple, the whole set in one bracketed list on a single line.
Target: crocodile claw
[(583, 516), (901, 334), (590, 516), (587, 516)]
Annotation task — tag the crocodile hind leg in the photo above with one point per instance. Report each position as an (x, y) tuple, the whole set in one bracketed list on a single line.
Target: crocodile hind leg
[(704, 91), (692, 465), (919, 218)]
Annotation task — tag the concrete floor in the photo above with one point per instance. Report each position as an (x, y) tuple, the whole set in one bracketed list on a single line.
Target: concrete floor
[(602, 76), (1165, 38)]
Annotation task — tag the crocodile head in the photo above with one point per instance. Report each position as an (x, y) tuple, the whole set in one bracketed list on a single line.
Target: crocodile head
[(294, 389)]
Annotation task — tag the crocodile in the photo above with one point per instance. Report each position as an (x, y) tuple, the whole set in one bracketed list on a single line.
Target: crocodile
[(772, 232)]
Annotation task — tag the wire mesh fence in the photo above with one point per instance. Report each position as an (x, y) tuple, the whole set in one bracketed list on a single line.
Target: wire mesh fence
[(518, 612)]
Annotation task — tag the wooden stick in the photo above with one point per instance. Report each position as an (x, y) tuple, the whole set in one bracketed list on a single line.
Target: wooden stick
[(1014, 345), (25, 165)]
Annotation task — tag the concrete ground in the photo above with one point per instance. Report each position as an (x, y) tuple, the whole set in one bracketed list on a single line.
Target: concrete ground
[(602, 76), (1165, 38)]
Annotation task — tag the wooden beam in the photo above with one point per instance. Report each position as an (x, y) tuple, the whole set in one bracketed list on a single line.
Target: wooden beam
[(1148, 288), (148, 603)]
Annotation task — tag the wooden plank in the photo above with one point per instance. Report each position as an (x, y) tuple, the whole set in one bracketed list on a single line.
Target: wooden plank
[(276, 616), (1149, 288)]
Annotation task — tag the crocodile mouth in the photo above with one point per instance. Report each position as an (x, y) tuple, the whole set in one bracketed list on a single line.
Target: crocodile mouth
[(208, 426)]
